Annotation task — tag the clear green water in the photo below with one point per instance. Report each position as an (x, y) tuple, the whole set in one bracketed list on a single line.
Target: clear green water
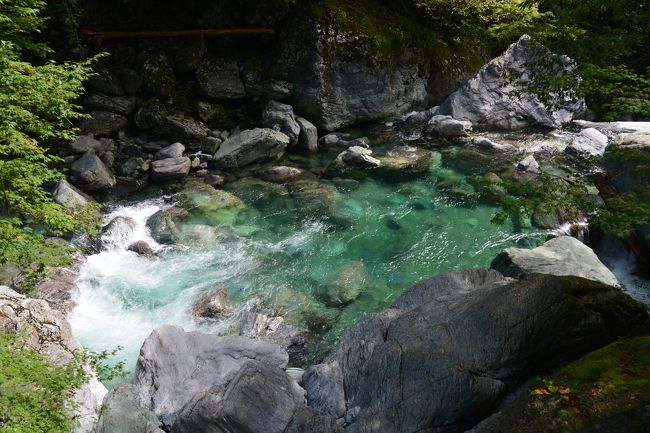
[(280, 253)]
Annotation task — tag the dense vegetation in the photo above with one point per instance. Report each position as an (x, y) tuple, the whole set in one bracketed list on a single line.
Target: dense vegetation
[(35, 396), (35, 106)]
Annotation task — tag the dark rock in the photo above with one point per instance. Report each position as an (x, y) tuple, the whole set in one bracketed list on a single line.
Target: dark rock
[(212, 305), (251, 146), (131, 80), (280, 117), (220, 78), (122, 413), (141, 248), (308, 138), (450, 348), (307, 420), (134, 166), (162, 228), (157, 74), (170, 169), (188, 54), (154, 116), (563, 256), (175, 367), (260, 398), (215, 180), (91, 174), (85, 143), (107, 83), (103, 124), (124, 105), (493, 97)]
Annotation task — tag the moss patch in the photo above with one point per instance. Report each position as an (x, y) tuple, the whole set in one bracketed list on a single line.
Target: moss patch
[(605, 383)]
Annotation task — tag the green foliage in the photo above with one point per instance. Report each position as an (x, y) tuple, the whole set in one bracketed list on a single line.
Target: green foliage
[(623, 212), (35, 396), (35, 106), (107, 372)]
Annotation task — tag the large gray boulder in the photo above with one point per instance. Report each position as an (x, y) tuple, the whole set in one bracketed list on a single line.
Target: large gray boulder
[(249, 146), (90, 173), (308, 138), (171, 168), (121, 413), (280, 117), (174, 366), (220, 78), (451, 347), (260, 398), (67, 195), (559, 256), (493, 98), (172, 151)]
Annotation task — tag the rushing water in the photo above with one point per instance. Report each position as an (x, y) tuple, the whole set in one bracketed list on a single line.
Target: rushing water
[(279, 253)]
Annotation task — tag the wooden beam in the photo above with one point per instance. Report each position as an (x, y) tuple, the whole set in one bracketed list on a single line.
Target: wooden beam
[(98, 37)]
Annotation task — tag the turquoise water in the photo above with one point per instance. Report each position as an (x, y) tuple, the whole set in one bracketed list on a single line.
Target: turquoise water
[(280, 250)]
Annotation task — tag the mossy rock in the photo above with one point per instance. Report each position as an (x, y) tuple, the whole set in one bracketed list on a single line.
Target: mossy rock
[(210, 205), (603, 388)]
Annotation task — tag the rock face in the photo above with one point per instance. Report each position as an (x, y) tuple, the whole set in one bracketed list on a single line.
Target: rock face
[(170, 168), (490, 98), (448, 349), (175, 367), (336, 80), (249, 146), (91, 174), (67, 195), (560, 256), (162, 228), (122, 413), (219, 78), (48, 332), (261, 398), (280, 117)]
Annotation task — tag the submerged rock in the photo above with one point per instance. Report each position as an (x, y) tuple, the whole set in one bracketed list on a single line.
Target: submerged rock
[(347, 284), (451, 347), (251, 146), (174, 367), (403, 161), (117, 231), (560, 256), (493, 97), (282, 174)]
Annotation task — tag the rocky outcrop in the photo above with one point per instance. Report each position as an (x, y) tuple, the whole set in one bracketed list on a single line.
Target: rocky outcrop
[(48, 332), (493, 98), (251, 146), (176, 368), (212, 305), (563, 256), (260, 398), (91, 174), (122, 413), (451, 347), (337, 79)]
